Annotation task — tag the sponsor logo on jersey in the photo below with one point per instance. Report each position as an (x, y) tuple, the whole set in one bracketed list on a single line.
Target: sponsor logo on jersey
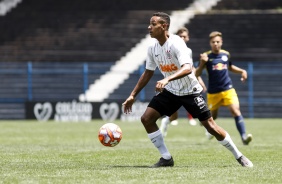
[(219, 66), (168, 68)]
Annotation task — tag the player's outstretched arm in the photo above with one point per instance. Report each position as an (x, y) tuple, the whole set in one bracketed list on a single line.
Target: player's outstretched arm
[(203, 59), (142, 82), (238, 70)]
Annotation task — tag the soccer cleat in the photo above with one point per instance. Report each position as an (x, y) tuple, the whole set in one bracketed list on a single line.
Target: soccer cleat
[(164, 125), (248, 139), (193, 122), (163, 163), (245, 162)]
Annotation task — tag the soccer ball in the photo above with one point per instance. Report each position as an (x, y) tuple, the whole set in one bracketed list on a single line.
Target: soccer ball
[(110, 134)]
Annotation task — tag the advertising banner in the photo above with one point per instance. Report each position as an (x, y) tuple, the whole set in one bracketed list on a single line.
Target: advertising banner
[(74, 111)]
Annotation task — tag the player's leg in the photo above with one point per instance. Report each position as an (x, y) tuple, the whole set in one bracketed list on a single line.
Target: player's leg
[(162, 104), (214, 115), (198, 108), (232, 102), (192, 121), (214, 102), (173, 118), (240, 123), (164, 125), (224, 139), (166, 121), (149, 119)]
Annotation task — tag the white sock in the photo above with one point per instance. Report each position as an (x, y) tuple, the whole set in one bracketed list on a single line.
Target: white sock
[(166, 120), (164, 125), (229, 144), (158, 141)]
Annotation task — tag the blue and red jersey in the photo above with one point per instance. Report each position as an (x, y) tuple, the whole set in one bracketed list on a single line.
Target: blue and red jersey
[(217, 68)]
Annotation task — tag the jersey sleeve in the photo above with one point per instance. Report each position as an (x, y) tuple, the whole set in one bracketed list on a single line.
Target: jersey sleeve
[(183, 53), (150, 63)]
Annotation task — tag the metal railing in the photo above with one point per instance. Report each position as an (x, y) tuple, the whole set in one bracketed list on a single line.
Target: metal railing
[(263, 88)]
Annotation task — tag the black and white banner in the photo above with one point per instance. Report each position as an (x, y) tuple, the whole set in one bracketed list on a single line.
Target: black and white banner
[(73, 111)]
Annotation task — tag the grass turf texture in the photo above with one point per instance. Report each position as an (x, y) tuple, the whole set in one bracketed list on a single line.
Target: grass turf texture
[(50, 152)]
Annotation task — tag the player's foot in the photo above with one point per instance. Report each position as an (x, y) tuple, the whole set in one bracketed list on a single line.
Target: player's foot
[(174, 122), (164, 125), (248, 139), (208, 135), (193, 122), (245, 162), (163, 163)]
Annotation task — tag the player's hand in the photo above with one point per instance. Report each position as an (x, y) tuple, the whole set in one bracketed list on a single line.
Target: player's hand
[(204, 57), (204, 89), (244, 76), (161, 84), (127, 105)]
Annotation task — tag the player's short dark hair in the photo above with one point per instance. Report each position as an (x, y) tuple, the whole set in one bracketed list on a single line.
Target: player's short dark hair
[(164, 17), (181, 30)]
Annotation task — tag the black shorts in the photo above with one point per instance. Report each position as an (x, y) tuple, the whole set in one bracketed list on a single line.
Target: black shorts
[(167, 103)]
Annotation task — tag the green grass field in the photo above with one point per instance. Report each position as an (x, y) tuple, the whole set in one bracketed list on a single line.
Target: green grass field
[(50, 152)]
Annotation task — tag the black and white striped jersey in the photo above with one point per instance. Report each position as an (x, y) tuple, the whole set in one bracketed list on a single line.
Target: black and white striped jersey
[(169, 58)]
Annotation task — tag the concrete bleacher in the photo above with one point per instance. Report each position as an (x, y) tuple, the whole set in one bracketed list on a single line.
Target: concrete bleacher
[(247, 36), (51, 30), (64, 33), (249, 5)]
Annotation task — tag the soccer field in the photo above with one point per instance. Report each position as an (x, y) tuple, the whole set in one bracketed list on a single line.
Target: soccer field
[(50, 152)]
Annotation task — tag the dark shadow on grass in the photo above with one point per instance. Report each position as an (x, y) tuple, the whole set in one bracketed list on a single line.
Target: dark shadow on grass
[(145, 166), (176, 166), (130, 166)]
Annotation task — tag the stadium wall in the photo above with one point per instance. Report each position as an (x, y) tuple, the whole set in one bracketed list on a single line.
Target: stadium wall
[(29, 82)]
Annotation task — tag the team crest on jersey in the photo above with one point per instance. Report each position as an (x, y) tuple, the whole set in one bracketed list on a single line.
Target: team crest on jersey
[(168, 54), (224, 58)]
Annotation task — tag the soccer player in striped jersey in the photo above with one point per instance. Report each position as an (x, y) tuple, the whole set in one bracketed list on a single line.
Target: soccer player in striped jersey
[(179, 87), (220, 89), (167, 120)]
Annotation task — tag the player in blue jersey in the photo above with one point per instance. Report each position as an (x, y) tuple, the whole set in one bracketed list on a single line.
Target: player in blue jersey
[(220, 89)]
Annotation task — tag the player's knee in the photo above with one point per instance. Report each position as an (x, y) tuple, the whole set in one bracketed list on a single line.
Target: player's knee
[(204, 116), (143, 119), (211, 125), (146, 120), (236, 112)]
